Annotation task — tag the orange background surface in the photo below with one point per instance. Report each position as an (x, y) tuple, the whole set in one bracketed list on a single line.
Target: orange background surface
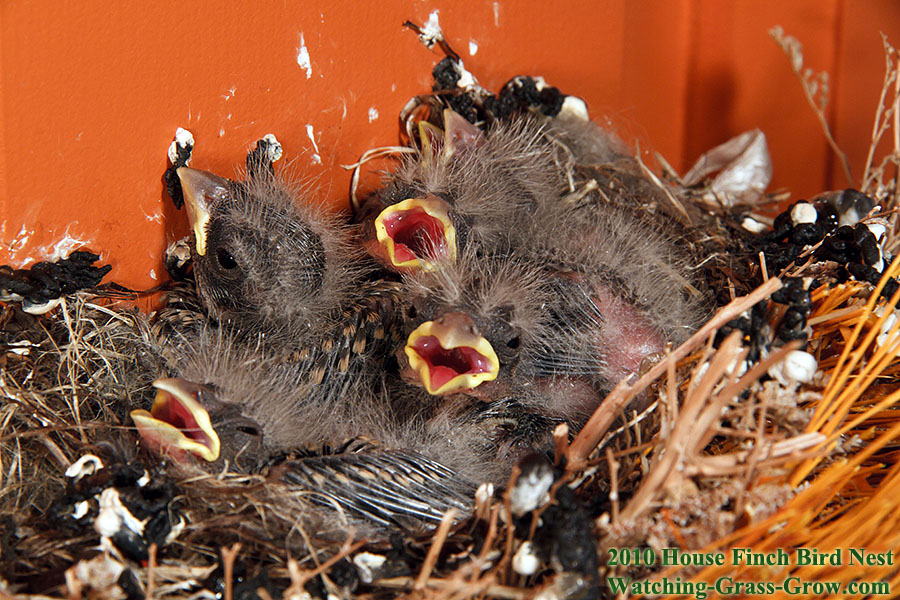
[(91, 93)]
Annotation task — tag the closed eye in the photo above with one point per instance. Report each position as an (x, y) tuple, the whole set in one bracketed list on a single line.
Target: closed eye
[(248, 430)]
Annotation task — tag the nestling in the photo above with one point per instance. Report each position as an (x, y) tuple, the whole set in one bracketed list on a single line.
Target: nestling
[(576, 287), (391, 458), (278, 267)]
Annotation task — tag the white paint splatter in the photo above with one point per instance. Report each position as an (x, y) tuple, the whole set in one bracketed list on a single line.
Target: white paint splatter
[(316, 159), (183, 138), (496, 14), (156, 217), (48, 252), (221, 132), (373, 114), (230, 93), (473, 47), (153, 274), (20, 241), (431, 32), (466, 79), (274, 151), (303, 57), (63, 247)]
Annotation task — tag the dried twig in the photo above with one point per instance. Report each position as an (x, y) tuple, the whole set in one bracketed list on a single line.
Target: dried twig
[(815, 88)]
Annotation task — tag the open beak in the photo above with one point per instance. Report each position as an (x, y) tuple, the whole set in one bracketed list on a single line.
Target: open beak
[(449, 356), (177, 424), (417, 233), (199, 187)]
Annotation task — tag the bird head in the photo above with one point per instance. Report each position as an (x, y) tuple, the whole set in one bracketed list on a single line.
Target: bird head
[(471, 322), (188, 420), (461, 186), (257, 255), (417, 228)]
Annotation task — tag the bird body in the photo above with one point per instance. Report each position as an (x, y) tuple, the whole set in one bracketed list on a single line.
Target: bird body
[(388, 457), (284, 274), (563, 266)]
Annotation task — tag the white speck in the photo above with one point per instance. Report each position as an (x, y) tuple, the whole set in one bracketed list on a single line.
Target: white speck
[(575, 107), (525, 561), (466, 79), (228, 117), (877, 230), (40, 308), (752, 225), (803, 212), (20, 240), (393, 87), (153, 274), (373, 114), (316, 159), (86, 465), (473, 47), (303, 57), (797, 367), (368, 564), (310, 132), (81, 509), (849, 217), (221, 132), (22, 348), (183, 138), (78, 137), (156, 217), (144, 480), (230, 93), (274, 151), (431, 32), (886, 336), (113, 515), (64, 247), (530, 489), (484, 492), (496, 14)]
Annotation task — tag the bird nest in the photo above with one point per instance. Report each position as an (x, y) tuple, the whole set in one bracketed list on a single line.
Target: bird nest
[(720, 460), (735, 460)]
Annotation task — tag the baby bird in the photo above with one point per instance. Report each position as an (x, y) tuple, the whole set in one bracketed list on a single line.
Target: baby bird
[(276, 267), (233, 407), (578, 292), (459, 186)]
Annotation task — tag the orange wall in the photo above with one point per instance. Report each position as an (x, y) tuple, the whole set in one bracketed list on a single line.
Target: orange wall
[(91, 93)]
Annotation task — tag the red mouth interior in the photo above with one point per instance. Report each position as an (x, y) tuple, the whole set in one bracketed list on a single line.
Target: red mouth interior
[(173, 412), (416, 234), (444, 364)]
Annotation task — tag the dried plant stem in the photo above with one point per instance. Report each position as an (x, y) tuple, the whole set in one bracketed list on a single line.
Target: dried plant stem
[(151, 567), (846, 384), (815, 89), (228, 557), (437, 542), (884, 113), (677, 443)]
